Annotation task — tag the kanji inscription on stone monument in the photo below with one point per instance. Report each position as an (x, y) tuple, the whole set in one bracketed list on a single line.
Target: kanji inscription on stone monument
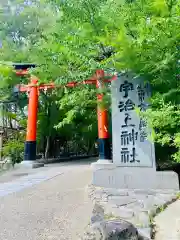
[(132, 145)]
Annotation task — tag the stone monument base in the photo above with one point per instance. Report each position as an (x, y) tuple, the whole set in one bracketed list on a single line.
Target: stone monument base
[(110, 175)]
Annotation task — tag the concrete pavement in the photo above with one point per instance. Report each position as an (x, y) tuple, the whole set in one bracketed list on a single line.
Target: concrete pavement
[(168, 223), (53, 207)]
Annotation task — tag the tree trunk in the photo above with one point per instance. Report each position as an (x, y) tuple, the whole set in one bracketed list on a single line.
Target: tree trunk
[(47, 147), (1, 145)]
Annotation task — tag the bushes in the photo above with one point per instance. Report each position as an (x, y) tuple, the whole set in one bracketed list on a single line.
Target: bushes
[(13, 149)]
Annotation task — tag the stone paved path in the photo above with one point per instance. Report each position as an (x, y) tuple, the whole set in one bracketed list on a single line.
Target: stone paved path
[(168, 223), (47, 205)]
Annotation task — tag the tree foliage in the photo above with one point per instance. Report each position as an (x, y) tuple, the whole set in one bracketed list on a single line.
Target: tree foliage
[(69, 40)]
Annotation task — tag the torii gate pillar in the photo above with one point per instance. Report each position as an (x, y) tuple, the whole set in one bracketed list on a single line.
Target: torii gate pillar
[(102, 117), (32, 89), (30, 144)]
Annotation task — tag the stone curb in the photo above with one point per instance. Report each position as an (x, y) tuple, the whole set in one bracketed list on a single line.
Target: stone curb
[(38, 165), (135, 207), (64, 159), (159, 210)]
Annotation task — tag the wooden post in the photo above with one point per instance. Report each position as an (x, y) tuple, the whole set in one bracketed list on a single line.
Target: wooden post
[(102, 115), (30, 144)]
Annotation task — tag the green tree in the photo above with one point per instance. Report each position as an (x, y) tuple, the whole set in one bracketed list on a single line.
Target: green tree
[(140, 36)]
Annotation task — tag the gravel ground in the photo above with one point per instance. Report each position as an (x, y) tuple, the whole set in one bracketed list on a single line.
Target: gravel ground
[(55, 209)]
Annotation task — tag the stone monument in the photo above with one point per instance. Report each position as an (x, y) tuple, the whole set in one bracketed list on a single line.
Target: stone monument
[(133, 164), (132, 146)]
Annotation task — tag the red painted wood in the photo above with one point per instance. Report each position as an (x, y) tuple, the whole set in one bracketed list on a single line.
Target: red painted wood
[(102, 113), (25, 88), (32, 112)]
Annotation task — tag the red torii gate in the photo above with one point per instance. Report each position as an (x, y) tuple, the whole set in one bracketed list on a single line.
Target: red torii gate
[(33, 88)]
